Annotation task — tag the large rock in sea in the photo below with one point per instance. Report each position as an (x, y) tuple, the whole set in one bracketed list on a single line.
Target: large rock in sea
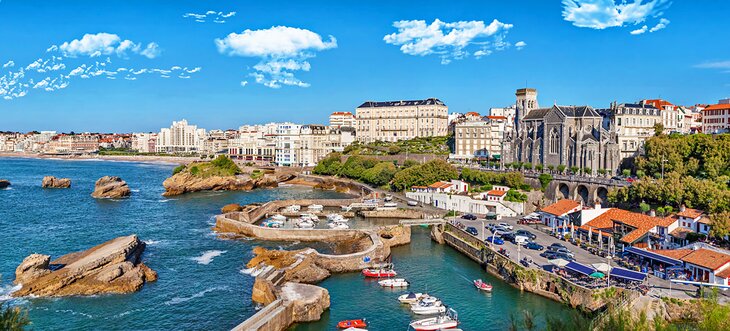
[(53, 182), (185, 182), (111, 187), (4, 183), (112, 267)]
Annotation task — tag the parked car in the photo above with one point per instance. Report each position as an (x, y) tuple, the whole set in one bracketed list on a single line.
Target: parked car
[(495, 240), (535, 246), (500, 228), (548, 255), (568, 257), (556, 246), (520, 240), (563, 251), (506, 226), (469, 217), (472, 231), (508, 236), (527, 234)]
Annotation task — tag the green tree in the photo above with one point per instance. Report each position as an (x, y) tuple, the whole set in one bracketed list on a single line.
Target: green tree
[(626, 172), (587, 171), (545, 180), (539, 167), (551, 167), (660, 211), (602, 172), (394, 149), (13, 318), (640, 174), (574, 170), (645, 207), (658, 129), (424, 174), (379, 175), (330, 165), (515, 196)]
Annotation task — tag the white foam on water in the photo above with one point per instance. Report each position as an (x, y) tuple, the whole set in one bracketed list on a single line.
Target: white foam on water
[(132, 311), (151, 242), (207, 256), (179, 300), (6, 291), (135, 190), (73, 312)]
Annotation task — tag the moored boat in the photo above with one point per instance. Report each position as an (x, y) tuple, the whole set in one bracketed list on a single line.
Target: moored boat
[(379, 273), (278, 217), (428, 307), (394, 282), (338, 226), (315, 208), (358, 323), (305, 224), (293, 208), (446, 321), (482, 285), (410, 297)]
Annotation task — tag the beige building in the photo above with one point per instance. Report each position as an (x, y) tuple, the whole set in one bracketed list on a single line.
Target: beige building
[(342, 118), (634, 123), (316, 141), (479, 139), (401, 120), (716, 118), (73, 144), (180, 137)]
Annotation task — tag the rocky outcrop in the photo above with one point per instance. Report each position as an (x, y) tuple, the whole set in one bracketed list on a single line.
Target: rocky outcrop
[(53, 182), (229, 208), (112, 267), (111, 187), (185, 182), (263, 292), (4, 183), (309, 301)]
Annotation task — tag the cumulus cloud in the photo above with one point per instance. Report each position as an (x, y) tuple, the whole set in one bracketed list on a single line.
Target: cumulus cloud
[(93, 45), (640, 30), (282, 51), (520, 45), (9, 64), (661, 25), (602, 14), (449, 41), (211, 15)]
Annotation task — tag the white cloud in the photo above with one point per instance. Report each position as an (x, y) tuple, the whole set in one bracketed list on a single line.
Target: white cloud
[(661, 25), (448, 40), (282, 51), (216, 16), (244, 83), (714, 65), (9, 64), (640, 31), (194, 70), (520, 45), (602, 14), (93, 45)]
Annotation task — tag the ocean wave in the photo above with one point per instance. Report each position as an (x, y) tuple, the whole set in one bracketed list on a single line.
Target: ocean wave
[(207, 256), (132, 311), (6, 291), (135, 190), (179, 300), (73, 312), (151, 242)]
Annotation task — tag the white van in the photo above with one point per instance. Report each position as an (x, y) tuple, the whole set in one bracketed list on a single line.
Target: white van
[(521, 240)]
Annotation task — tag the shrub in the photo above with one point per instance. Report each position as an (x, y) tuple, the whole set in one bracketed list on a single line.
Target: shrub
[(194, 170), (424, 174), (545, 180), (178, 169)]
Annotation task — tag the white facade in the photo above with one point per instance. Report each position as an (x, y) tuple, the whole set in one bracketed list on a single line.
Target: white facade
[(466, 204), (342, 118), (716, 118), (287, 144), (144, 142), (180, 138), (401, 120)]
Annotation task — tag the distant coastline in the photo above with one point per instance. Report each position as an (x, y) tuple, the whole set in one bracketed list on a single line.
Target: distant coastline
[(119, 158)]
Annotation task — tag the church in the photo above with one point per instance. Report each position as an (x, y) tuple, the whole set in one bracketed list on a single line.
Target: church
[(574, 136)]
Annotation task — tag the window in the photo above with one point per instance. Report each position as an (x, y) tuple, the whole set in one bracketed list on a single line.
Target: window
[(554, 143)]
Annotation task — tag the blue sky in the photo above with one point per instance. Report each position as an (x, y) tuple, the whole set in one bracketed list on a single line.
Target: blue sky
[(315, 57)]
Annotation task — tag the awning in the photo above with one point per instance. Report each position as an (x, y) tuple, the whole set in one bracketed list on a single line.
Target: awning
[(579, 268), (628, 274), (653, 256)]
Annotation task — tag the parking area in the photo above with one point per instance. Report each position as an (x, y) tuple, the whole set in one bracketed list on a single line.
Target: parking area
[(542, 238)]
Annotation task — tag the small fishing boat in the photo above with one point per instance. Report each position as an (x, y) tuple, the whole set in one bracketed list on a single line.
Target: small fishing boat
[(410, 298), (482, 285), (338, 226), (381, 272), (446, 321), (310, 216), (278, 217), (359, 323), (394, 282), (428, 307), (315, 208), (305, 224), (273, 224), (336, 218)]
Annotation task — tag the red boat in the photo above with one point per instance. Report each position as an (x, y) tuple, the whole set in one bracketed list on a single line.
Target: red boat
[(482, 285), (379, 273), (352, 324)]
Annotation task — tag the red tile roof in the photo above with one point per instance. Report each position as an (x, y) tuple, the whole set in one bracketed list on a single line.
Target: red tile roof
[(717, 107), (707, 258), (640, 222), (342, 113), (497, 192), (441, 185), (691, 213), (471, 113), (723, 274), (676, 254), (496, 117), (561, 207), (659, 103), (705, 220)]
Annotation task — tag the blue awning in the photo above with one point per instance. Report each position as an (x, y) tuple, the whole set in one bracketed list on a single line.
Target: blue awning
[(579, 268), (628, 274), (653, 256)]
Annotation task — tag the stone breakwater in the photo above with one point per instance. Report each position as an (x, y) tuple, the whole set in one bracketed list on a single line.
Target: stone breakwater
[(112, 267)]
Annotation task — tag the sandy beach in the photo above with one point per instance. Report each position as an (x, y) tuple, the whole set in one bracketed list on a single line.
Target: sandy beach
[(118, 158)]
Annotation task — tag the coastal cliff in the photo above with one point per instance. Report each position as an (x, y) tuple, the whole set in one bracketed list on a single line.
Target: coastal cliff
[(112, 267), (53, 182), (110, 187)]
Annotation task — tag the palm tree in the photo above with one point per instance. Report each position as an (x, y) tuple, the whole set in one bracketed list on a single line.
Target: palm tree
[(13, 318)]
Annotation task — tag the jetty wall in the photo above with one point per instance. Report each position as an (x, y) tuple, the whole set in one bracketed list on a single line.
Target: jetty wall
[(277, 315), (533, 280)]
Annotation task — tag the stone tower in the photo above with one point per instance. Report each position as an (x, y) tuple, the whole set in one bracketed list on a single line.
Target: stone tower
[(526, 101)]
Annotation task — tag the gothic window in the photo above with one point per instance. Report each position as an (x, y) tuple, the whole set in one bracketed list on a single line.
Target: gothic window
[(554, 142)]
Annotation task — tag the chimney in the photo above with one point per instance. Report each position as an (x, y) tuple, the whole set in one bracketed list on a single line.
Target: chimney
[(682, 208), (652, 213)]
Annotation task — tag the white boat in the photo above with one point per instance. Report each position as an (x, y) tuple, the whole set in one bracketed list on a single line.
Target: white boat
[(446, 321), (278, 217), (273, 224), (388, 198), (316, 208), (412, 203), (346, 208), (293, 208), (338, 226), (337, 218), (428, 308), (310, 216), (394, 282), (305, 224), (410, 298)]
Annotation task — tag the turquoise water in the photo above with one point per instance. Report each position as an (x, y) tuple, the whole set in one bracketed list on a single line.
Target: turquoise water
[(200, 284)]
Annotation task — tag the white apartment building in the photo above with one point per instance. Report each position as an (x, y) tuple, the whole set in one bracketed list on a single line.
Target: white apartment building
[(671, 117), (508, 113), (401, 120), (342, 118), (479, 139), (255, 143), (287, 141), (180, 138), (716, 118), (634, 123), (144, 142)]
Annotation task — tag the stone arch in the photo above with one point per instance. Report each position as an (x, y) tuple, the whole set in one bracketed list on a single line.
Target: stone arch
[(602, 195), (562, 191), (582, 194)]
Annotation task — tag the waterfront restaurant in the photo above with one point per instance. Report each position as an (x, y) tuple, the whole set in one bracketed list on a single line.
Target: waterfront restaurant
[(700, 265), (553, 215)]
